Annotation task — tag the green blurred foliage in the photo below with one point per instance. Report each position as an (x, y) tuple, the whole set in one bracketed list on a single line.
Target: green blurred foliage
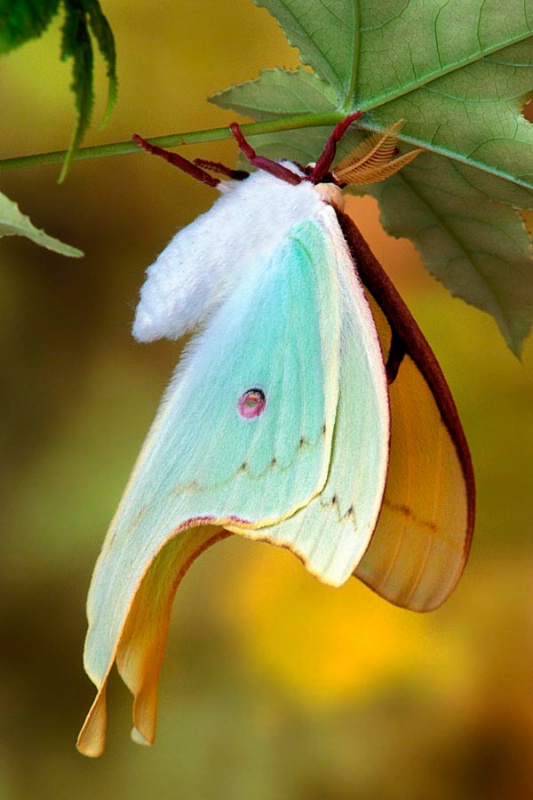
[(273, 687), (24, 20)]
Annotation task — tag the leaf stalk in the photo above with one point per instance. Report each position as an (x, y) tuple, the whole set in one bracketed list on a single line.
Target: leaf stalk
[(174, 140)]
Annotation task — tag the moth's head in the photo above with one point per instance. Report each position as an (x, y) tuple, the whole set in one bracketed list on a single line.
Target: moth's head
[(292, 173), (331, 194)]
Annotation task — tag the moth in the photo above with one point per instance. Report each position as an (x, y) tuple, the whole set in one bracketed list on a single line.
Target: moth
[(309, 411)]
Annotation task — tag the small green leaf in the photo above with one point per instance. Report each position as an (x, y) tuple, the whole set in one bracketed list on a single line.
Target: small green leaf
[(23, 20), (80, 15), (277, 93), (76, 44), (106, 44), (13, 222)]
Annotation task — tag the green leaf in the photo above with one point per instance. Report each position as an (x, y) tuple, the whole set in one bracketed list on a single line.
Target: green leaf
[(103, 34), (13, 222), (326, 34), (81, 16), (366, 49), (475, 114), (478, 248), (23, 20), (277, 93), (430, 69), (76, 44), (459, 73)]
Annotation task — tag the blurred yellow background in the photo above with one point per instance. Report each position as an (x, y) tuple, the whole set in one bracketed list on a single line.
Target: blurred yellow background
[(273, 686)]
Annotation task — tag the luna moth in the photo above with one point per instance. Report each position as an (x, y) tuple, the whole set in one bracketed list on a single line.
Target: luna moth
[(309, 411)]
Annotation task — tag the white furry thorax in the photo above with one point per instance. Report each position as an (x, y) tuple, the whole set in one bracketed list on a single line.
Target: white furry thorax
[(209, 258)]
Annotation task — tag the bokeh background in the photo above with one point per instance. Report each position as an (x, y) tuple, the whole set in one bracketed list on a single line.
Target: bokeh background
[(273, 686)]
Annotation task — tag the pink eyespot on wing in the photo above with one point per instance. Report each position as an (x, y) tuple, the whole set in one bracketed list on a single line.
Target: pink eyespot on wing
[(252, 403)]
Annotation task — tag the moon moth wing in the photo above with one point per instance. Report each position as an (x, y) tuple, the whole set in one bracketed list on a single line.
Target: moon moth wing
[(327, 533), (141, 644), (203, 463), (422, 539)]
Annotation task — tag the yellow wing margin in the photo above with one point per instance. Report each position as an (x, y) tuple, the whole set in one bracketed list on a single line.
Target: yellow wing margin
[(422, 539), (141, 647)]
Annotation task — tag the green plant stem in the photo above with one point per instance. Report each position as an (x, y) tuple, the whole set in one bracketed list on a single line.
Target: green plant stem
[(174, 140)]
